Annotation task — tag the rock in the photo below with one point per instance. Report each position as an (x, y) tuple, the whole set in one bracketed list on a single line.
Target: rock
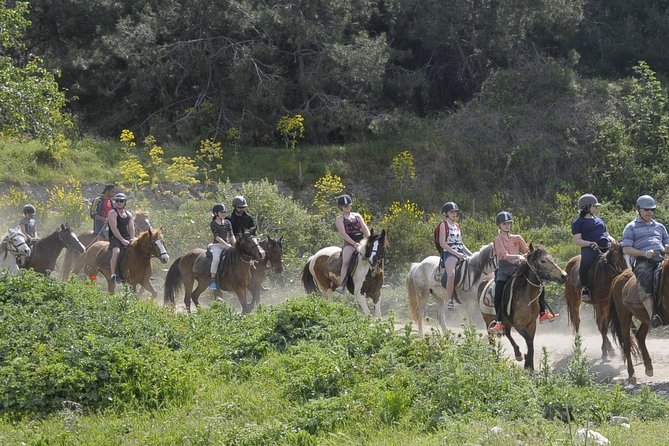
[(584, 435), (616, 420), (495, 430), (625, 426)]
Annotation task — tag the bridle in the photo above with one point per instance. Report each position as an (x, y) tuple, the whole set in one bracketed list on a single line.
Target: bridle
[(14, 247)]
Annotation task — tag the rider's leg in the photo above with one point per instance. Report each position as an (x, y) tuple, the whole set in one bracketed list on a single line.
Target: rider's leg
[(588, 256), (113, 262), (499, 294), (449, 266), (216, 251), (345, 260), (544, 313)]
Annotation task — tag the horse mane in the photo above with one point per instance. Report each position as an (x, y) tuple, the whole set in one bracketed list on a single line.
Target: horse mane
[(140, 213), (479, 259), (525, 268)]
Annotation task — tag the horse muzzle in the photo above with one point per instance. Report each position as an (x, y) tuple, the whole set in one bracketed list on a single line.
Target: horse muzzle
[(164, 258)]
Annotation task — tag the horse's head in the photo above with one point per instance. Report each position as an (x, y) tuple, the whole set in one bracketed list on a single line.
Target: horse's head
[(70, 240), (484, 261), (247, 244), (142, 222), (615, 258), (274, 252), (375, 247), (543, 264), (157, 245), (16, 243)]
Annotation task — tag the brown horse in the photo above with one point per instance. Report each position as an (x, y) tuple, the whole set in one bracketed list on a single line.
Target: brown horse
[(73, 263), (134, 264), (371, 287), (321, 271), (46, 250), (234, 271), (521, 298), (273, 259), (625, 304), (602, 272)]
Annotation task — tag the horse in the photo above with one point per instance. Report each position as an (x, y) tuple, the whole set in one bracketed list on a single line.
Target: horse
[(521, 297), (424, 278), (73, 263), (134, 264), (234, 271), (321, 271), (625, 304), (46, 250), (12, 247), (273, 259), (602, 272)]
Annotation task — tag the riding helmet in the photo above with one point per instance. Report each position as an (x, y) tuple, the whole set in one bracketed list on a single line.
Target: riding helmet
[(120, 196), (239, 202), (503, 217), (220, 207), (645, 202), (587, 200), (450, 206), (344, 200), (29, 208)]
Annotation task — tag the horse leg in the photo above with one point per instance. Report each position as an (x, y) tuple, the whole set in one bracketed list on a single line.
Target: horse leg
[(516, 349), (202, 285), (529, 340), (641, 341), (67, 265), (362, 301), (441, 314), (241, 294), (146, 285), (377, 309), (188, 289)]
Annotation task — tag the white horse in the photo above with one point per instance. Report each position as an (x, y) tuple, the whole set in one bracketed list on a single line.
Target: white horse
[(12, 246), (424, 278), (321, 272)]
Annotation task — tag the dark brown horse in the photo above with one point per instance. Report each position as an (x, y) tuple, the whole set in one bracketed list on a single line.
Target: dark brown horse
[(603, 271), (521, 298), (73, 263), (234, 271), (46, 250), (134, 264), (273, 259), (626, 298)]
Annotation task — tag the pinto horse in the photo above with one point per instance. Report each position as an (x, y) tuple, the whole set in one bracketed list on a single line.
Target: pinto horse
[(603, 271), (134, 263), (521, 297), (424, 279), (626, 298), (12, 247), (321, 272), (234, 271), (46, 250), (273, 259), (73, 263)]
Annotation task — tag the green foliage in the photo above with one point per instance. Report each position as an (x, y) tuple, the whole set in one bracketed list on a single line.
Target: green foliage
[(67, 203), (328, 188), (404, 172)]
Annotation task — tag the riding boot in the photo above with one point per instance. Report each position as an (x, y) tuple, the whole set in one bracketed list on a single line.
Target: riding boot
[(341, 288)]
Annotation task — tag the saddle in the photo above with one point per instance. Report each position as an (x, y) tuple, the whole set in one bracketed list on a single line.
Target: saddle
[(441, 276), (202, 265)]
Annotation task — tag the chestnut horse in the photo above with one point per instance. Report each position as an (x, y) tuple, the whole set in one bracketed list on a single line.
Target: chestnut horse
[(234, 271), (73, 263), (273, 259), (46, 250), (424, 279), (134, 263), (602, 272), (521, 298), (625, 304), (321, 272)]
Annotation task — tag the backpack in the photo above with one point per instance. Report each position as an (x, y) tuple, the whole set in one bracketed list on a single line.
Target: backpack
[(93, 210), (436, 236)]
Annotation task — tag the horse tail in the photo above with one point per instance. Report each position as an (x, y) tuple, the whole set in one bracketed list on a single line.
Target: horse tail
[(173, 283), (412, 291), (308, 279)]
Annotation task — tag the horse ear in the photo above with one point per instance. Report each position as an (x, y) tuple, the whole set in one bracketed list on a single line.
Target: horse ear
[(62, 227), (531, 247)]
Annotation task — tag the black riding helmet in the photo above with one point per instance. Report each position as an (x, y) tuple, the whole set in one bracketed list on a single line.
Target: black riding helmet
[(29, 208), (239, 202), (503, 217), (448, 207), (220, 207), (344, 200)]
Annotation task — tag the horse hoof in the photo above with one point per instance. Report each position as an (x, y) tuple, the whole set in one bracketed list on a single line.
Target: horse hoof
[(519, 357), (631, 380), (649, 372)]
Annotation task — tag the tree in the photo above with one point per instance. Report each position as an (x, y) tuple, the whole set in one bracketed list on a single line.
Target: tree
[(30, 100)]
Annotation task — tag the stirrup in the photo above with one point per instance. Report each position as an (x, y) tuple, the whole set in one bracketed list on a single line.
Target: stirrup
[(656, 322), (585, 295), (450, 305)]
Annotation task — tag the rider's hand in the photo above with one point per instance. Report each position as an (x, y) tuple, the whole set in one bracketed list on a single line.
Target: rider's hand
[(125, 242), (593, 245)]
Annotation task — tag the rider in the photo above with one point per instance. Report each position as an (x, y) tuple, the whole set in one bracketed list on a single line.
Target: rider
[(104, 206), (453, 248), (28, 224), (352, 229), (589, 232), (121, 225), (224, 238), (647, 241), (509, 249), (239, 218)]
